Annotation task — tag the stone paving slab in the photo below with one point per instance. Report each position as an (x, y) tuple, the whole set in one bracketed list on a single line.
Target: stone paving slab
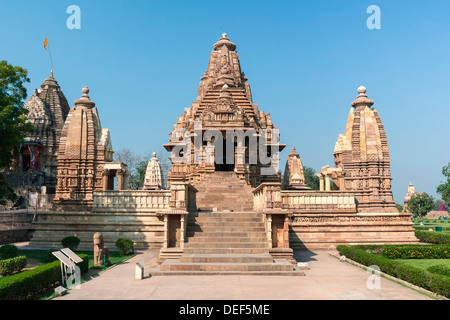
[(327, 279)]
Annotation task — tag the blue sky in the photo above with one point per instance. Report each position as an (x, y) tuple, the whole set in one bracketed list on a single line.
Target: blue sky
[(143, 60)]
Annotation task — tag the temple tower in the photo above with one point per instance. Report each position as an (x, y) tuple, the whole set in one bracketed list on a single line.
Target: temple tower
[(85, 158), (224, 131), (294, 177), (47, 111), (362, 162), (153, 174)]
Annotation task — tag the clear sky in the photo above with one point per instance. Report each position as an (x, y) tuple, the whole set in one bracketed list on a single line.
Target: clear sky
[(143, 60)]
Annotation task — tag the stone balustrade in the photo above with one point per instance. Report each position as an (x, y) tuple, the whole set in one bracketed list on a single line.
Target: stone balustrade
[(269, 196), (318, 201), (136, 200)]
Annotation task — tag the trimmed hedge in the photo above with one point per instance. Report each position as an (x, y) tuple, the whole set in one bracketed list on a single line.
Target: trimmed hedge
[(417, 252), (440, 269), (8, 251), (436, 283), (10, 266), (433, 237), (31, 283)]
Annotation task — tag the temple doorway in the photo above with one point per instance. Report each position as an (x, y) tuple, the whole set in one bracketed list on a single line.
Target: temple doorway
[(224, 161)]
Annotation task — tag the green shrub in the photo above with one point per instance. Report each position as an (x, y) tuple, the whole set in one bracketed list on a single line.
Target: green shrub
[(50, 256), (416, 252), (84, 265), (125, 246), (433, 237), (8, 251), (70, 242), (28, 284), (12, 265), (440, 269), (436, 283)]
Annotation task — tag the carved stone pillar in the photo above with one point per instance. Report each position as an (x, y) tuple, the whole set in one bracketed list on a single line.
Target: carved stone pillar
[(105, 179), (327, 182), (166, 231), (269, 230), (321, 182), (182, 231), (120, 180)]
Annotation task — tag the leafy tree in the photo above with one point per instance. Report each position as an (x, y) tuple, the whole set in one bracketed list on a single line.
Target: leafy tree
[(311, 180), (444, 188), (420, 205), (13, 120), (399, 207)]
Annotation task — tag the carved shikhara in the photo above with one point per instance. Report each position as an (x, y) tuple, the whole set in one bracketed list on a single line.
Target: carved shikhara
[(361, 156), (224, 102)]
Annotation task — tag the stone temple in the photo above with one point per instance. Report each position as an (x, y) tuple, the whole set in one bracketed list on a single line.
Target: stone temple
[(225, 209)]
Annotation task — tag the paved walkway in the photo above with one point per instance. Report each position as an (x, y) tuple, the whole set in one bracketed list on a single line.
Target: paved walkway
[(327, 279)]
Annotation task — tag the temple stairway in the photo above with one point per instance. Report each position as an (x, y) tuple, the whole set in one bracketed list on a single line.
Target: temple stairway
[(226, 243), (224, 191)]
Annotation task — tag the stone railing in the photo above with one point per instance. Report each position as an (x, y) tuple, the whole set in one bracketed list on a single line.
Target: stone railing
[(269, 196), (183, 196), (180, 196), (135, 200), (318, 201)]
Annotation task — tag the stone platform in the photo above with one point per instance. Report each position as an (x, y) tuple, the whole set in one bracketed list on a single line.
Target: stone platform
[(226, 243)]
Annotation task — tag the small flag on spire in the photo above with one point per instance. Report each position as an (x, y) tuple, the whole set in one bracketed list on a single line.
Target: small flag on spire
[(45, 43)]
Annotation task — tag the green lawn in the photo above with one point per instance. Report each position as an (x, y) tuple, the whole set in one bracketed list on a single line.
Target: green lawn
[(424, 263), (432, 223), (40, 256)]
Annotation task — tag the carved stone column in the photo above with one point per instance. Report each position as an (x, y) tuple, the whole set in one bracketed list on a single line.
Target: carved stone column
[(105, 179), (327, 183), (166, 231), (182, 231), (269, 230), (120, 180)]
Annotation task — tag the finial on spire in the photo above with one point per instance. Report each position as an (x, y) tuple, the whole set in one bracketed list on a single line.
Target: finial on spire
[(362, 99), (84, 101), (51, 73), (224, 35), (362, 90), (154, 154)]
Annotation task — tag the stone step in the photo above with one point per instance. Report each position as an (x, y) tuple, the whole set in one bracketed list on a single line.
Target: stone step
[(226, 258), (211, 228), (210, 244), (200, 250), (234, 214), (176, 265), (227, 239), (157, 272), (225, 219), (231, 234)]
